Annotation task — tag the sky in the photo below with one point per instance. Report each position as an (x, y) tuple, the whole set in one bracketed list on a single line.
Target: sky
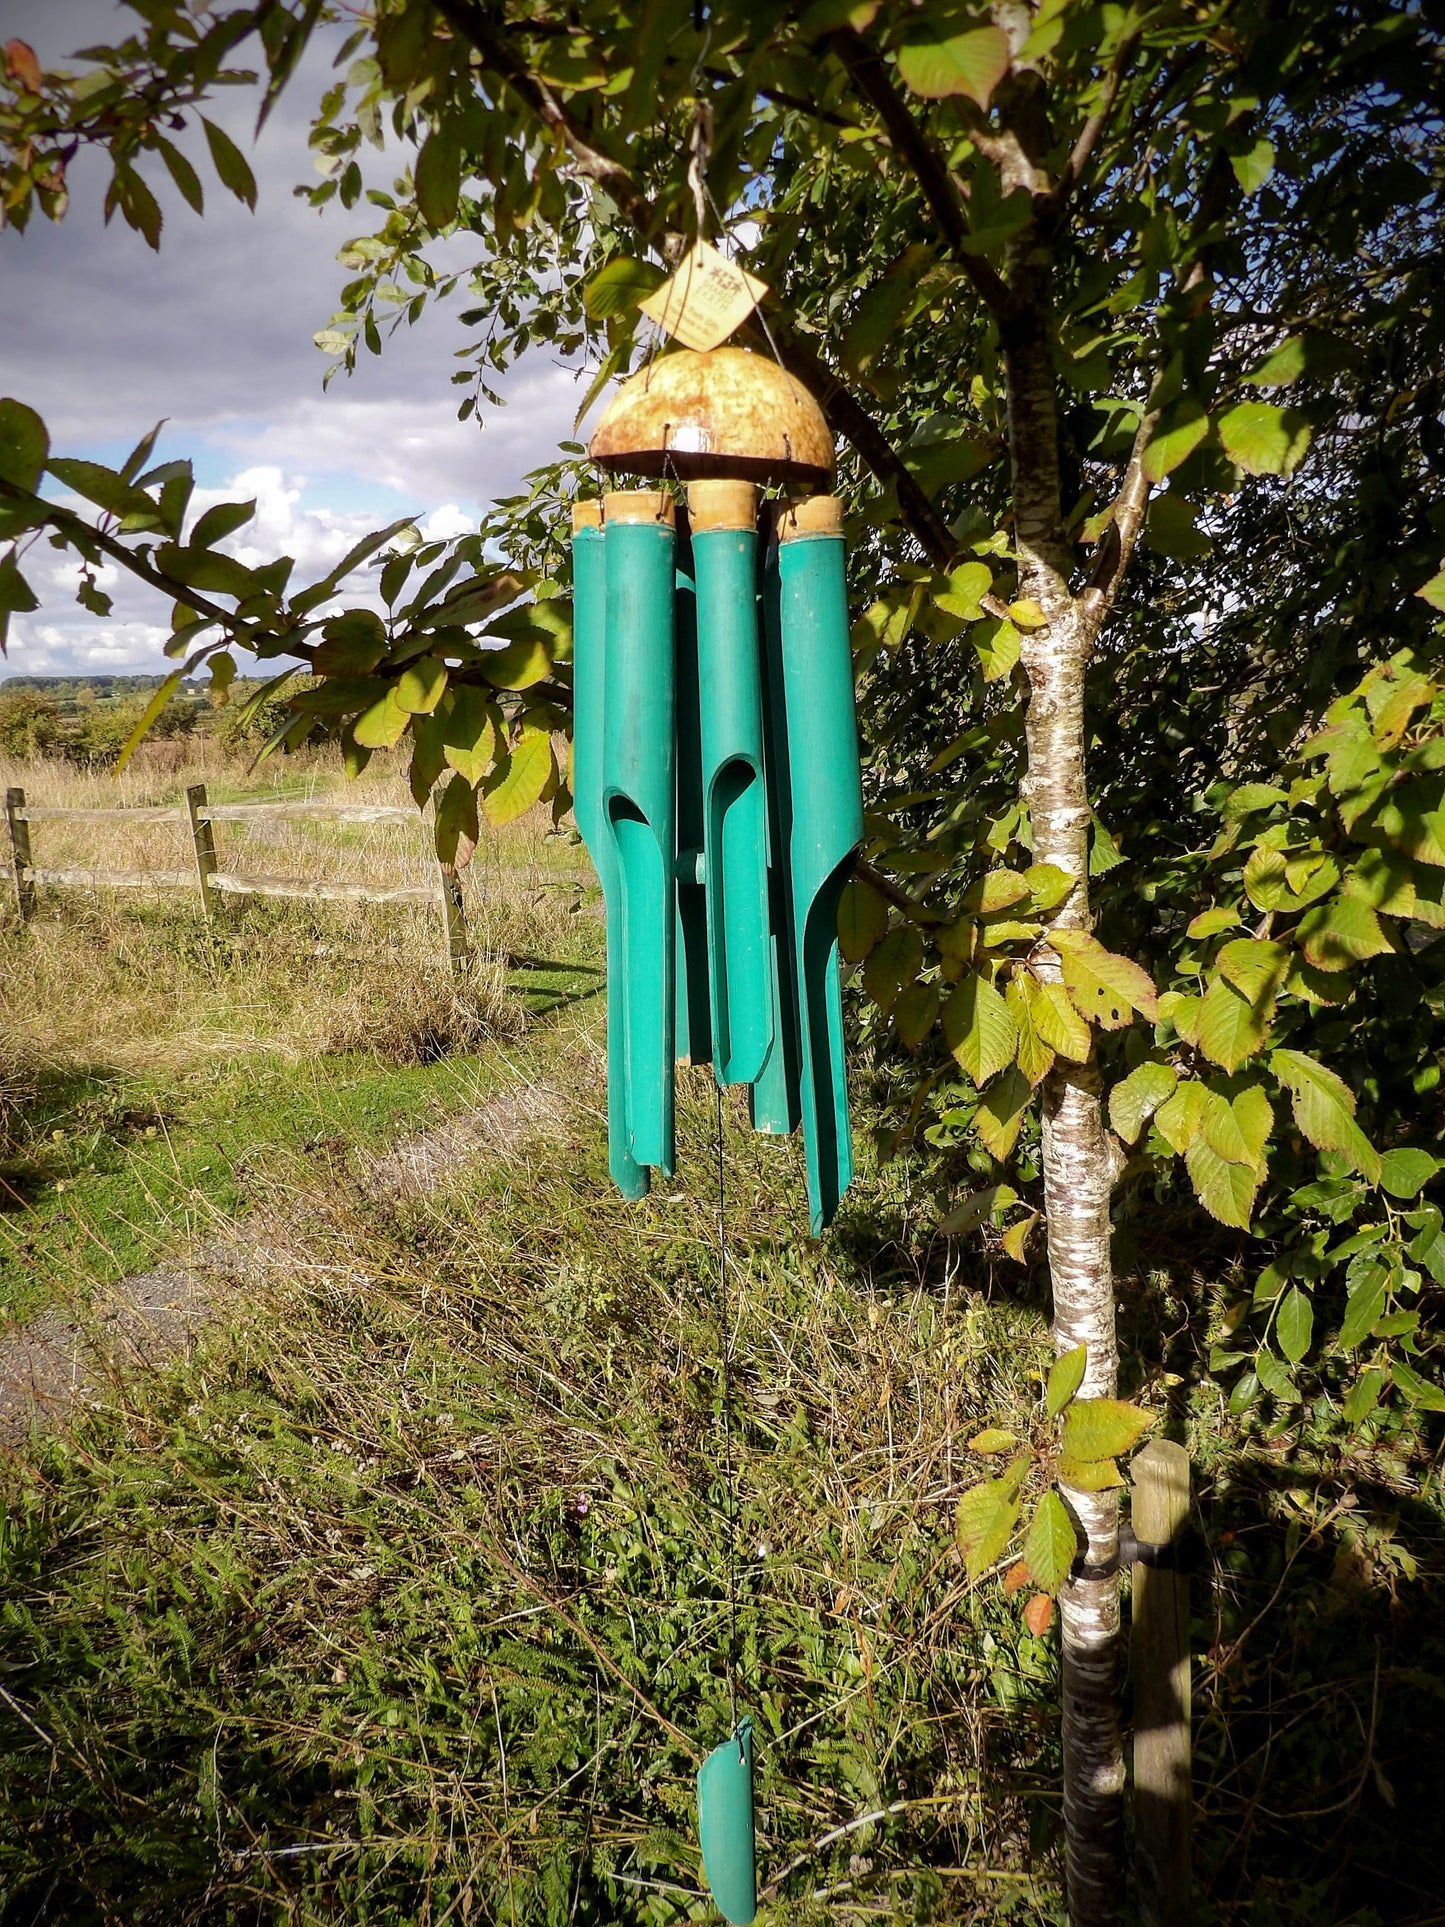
[(105, 337)]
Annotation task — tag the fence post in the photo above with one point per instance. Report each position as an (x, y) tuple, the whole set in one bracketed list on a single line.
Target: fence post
[(20, 853), (203, 842), (1163, 1795), (455, 919)]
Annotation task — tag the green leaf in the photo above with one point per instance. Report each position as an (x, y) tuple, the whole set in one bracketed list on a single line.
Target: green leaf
[(970, 63), (862, 919), (1364, 1306), (991, 1441), (1324, 1110), (421, 685), (1294, 1324), (1035, 1056), (1281, 365), (1180, 431), (1226, 1190), (1406, 1171), (182, 173), (1231, 1028), (1274, 1378), (1364, 1396), (24, 445), (1179, 1119), (915, 1013), (518, 666), (470, 736), (1066, 1375), (1056, 1020), (456, 819), (230, 163), (519, 780), (206, 570), (1048, 885), (1089, 1475), (1342, 932), (1051, 1543), (1255, 967), (152, 709), (1253, 165), (1000, 1113), (1102, 1428), (998, 645), (220, 521), (383, 724), (102, 486), (439, 176), (986, 1517), (892, 965), (1170, 529), (978, 1028), (1135, 1100), (1419, 1391), (1433, 591), (1264, 439), (352, 644), (620, 285), (995, 891), (16, 595)]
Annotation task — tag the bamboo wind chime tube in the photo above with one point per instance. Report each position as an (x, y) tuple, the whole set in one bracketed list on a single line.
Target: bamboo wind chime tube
[(639, 798), (808, 618), (735, 808), (589, 577)]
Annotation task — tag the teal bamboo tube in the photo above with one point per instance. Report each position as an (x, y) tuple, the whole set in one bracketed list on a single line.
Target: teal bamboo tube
[(827, 822), (589, 622), (774, 1099), (693, 1042), (735, 832), (639, 800)]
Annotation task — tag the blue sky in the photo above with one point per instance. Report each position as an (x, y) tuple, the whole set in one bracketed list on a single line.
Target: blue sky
[(105, 337)]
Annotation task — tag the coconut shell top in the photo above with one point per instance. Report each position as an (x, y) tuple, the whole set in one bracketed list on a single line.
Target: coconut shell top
[(726, 412)]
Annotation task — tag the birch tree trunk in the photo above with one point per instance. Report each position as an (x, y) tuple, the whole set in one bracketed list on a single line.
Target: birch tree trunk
[(1077, 1157)]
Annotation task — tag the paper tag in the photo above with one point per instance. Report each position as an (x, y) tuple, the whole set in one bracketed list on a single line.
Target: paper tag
[(705, 301)]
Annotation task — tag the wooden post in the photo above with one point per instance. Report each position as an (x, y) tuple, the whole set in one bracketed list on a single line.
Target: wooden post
[(455, 920), (20, 853), (1162, 1790), (203, 841)]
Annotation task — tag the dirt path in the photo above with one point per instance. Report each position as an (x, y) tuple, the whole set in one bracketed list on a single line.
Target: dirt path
[(59, 1360)]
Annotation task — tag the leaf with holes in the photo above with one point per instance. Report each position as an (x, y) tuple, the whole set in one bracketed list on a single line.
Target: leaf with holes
[(1066, 1375), (1107, 989), (1051, 1543)]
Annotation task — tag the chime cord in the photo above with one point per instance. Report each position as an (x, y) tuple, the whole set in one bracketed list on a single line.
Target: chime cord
[(730, 1484)]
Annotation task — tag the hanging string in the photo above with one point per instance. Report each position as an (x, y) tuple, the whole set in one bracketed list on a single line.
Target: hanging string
[(729, 1481)]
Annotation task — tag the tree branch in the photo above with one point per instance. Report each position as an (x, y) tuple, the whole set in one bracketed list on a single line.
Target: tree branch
[(846, 415), (866, 69), (1093, 127)]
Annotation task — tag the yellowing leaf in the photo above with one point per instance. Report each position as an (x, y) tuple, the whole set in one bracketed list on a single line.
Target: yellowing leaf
[(1262, 438), (971, 63), (1324, 1109), (1035, 1057), (1183, 1013), (1102, 1428), (470, 734), (518, 782), (1255, 967), (1089, 1475), (892, 964), (1181, 429), (984, 1523), (1027, 613), (996, 890), (1051, 1543), (1135, 1100), (382, 725), (1342, 932), (1178, 1119), (992, 1440), (1066, 1375), (978, 1028), (1057, 1022), (1227, 1191), (1230, 1027), (1015, 1240), (420, 686), (1000, 1114), (862, 919), (1039, 1612), (518, 666), (1106, 988)]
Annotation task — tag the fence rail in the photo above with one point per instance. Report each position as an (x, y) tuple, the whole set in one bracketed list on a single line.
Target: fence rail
[(197, 815)]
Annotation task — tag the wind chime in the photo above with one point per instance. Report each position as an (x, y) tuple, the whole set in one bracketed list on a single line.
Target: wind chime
[(717, 789)]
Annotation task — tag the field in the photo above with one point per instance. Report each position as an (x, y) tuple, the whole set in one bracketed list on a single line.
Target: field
[(381, 1573)]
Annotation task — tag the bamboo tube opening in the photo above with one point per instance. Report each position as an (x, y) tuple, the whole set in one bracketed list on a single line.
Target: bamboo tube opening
[(719, 504), (638, 505), (811, 515), (586, 514)]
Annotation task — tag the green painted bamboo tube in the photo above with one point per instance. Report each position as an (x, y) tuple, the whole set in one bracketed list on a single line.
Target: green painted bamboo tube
[(827, 822), (735, 841), (589, 622), (693, 1041), (774, 1099), (725, 1826), (639, 801)]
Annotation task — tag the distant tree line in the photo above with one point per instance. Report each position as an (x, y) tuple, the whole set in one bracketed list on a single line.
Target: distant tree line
[(88, 720)]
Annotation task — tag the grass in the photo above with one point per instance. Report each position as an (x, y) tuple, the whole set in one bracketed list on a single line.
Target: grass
[(405, 1599)]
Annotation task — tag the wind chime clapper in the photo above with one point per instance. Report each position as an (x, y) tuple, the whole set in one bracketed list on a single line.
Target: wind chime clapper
[(716, 756)]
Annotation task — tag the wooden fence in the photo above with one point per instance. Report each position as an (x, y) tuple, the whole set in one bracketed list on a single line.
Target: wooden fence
[(213, 883)]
